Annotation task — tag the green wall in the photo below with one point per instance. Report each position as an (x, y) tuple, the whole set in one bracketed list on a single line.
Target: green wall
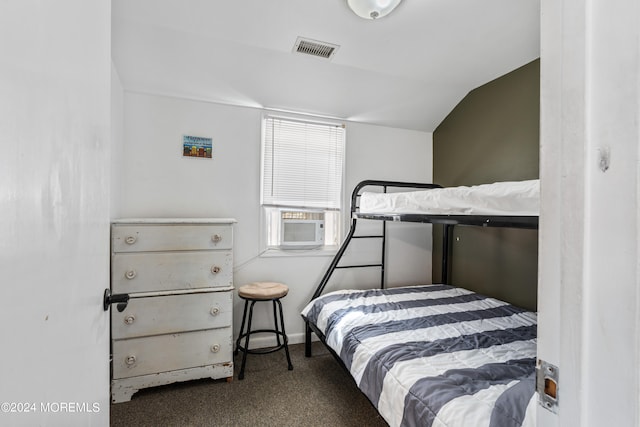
[(492, 135)]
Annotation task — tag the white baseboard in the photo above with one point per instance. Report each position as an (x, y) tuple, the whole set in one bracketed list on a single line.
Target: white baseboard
[(264, 340)]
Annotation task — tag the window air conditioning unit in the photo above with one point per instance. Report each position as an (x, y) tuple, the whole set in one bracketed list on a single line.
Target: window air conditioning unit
[(301, 229)]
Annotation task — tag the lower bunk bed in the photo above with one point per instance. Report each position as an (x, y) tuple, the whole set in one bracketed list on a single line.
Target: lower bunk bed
[(432, 355)]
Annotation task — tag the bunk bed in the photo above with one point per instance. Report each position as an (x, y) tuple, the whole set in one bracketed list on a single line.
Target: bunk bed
[(433, 355)]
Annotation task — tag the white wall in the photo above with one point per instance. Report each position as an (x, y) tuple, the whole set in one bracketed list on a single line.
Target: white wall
[(160, 182), (54, 211)]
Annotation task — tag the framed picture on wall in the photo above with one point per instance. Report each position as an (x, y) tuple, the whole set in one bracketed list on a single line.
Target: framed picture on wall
[(197, 146)]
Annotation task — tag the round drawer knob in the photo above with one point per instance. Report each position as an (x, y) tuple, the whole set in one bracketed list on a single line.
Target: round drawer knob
[(130, 240), (129, 320), (215, 269), (130, 360), (215, 348), (131, 274), (216, 238), (214, 311)]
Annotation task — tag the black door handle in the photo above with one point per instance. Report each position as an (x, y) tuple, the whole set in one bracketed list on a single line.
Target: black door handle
[(121, 299)]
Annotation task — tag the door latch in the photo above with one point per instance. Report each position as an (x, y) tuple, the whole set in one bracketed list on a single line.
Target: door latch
[(547, 385)]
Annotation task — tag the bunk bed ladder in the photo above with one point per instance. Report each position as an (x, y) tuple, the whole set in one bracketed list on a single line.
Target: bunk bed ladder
[(383, 237), (334, 266), (384, 185), (446, 249), (336, 260), (343, 247)]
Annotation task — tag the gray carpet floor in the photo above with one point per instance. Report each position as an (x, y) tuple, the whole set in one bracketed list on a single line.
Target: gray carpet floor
[(317, 392)]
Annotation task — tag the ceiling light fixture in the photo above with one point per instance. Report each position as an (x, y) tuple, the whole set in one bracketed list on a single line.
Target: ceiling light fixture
[(372, 9)]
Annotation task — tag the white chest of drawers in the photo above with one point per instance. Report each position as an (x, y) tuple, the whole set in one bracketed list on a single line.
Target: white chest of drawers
[(177, 325)]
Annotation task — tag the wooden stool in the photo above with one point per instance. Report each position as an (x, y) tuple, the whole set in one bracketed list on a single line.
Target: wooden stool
[(262, 291)]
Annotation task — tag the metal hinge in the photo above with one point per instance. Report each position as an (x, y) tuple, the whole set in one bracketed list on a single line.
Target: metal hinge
[(547, 385)]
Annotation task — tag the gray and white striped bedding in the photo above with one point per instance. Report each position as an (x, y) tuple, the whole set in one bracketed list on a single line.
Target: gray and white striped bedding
[(434, 355)]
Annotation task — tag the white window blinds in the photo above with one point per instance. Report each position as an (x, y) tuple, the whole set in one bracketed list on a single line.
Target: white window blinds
[(302, 163)]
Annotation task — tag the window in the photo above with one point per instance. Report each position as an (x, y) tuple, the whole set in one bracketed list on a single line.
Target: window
[(302, 168)]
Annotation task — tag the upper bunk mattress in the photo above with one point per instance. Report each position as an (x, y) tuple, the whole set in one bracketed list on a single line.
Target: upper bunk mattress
[(515, 198)]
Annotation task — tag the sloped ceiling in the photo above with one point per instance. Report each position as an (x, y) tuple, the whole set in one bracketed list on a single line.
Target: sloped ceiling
[(407, 70)]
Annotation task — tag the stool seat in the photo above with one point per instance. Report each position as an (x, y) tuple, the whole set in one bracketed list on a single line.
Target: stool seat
[(263, 290)]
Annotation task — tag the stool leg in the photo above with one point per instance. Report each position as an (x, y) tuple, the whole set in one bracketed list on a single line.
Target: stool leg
[(275, 319), (244, 316), (284, 337), (246, 343)]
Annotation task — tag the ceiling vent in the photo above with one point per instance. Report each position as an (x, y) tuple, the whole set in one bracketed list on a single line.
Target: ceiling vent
[(315, 48)]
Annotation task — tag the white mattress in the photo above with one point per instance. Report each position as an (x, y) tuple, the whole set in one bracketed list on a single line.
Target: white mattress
[(517, 198)]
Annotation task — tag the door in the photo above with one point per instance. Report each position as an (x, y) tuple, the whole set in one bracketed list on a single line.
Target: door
[(588, 283), (54, 212)]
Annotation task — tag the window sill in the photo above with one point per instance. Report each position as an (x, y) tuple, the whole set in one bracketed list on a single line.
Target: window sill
[(319, 252)]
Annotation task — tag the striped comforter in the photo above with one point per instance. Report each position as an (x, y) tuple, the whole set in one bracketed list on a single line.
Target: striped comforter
[(434, 355)]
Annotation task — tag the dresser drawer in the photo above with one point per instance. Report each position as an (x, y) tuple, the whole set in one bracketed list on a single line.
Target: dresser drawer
[(176, 237), (164, 271), (172, 313), (163, 353)]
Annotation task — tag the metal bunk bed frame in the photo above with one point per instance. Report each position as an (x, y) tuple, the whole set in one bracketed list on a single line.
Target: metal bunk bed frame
[(447, 222)]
